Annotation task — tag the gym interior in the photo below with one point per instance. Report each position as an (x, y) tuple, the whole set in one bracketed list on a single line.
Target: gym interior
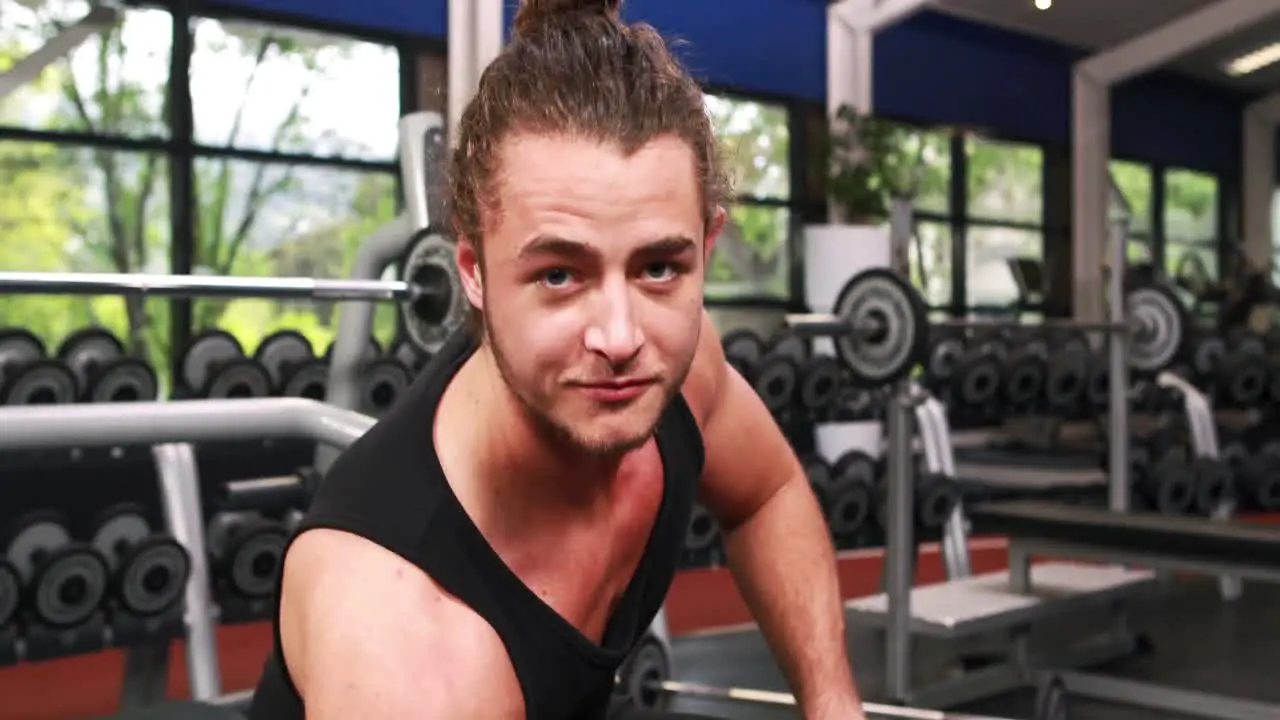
[(1025, 345)]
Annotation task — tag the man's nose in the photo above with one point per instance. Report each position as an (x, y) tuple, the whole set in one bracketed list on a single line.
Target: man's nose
[(614, 334)]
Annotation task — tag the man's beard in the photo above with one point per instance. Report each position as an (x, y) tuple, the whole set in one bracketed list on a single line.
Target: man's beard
[(564, 434)]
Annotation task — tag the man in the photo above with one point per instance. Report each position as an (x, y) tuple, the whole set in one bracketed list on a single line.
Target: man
[(496, 545)]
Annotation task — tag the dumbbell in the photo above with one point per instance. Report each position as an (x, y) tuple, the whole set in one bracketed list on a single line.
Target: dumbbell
[(11, 592), (148, 570), (286, 354), (246, 551), (1234, 370), (1067, 372), (702, 533), (214, 366), (774, 378), (270, 495), (789, 345), (819, 385), (372, 350), (742, 349), (847, 496), (103, 372), (944, 355), (1258, 477), (382, 382), (28, 376), (1168, 485), (1213, 483), (66, 582), (1023, 373), (976, 381)]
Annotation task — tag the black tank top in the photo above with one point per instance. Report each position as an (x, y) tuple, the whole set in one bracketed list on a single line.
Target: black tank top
[(389, 488)]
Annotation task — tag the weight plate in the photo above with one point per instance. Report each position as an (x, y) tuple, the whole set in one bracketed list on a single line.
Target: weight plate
[(1250, 344), (69, 586), (36, 535), (85, 351), (1213, 485), (17, 348), (944, 357), (855, 466), (309, 381), (255, 561), (1246, 381), (1099, 388), (372, 350), (849, 507), (1066, 376), (643, 673), (43, 382), (817, 471), (431, 317), (382, 382), (154, 577), (123, 380), (936, 497), (1170, 486), (10, 593), (978, 379), (742, 346), (1207, 354), (890, 324), (243, 378), (1234, 453), (118, 529), (1161, 327), (207, 350), (702, 531), (774, 380), (281, 349), (1024, 375), (790, 346), (819, 383)]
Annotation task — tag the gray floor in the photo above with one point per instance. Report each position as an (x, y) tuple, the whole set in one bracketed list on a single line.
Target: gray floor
[(1200, 643)]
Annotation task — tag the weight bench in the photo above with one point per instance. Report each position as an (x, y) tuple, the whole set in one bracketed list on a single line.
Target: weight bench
[(1156, 542)]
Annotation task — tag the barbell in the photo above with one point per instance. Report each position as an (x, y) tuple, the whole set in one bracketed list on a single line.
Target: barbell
[(429, 291), (880, 325)]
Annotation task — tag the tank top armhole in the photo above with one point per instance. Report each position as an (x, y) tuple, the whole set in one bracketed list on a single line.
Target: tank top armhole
[(402, 547), (689, 434)]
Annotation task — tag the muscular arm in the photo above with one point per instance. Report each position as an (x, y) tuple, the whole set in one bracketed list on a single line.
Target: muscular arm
[(776, 537), (366, 634)]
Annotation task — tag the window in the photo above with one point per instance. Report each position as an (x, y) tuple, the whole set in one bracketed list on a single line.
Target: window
[(928, 174), (1004, 217), (74, 209), (262, 87), (931, 270), (1191, 225), (260, 219), (114, 83), (1006, 182), (1135, 182), (752, 255)]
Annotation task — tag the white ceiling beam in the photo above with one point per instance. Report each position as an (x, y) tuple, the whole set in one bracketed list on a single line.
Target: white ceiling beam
[(27, 69), (874, 14), (1174, 39)]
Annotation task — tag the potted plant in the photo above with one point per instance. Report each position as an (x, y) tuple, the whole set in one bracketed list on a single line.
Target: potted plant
[(869, 161)]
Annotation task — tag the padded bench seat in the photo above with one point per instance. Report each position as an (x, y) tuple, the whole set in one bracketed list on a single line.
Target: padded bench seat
[(1188, 538), (986, 603)]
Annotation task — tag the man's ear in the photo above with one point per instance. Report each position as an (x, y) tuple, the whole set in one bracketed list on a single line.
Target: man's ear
[(468, 260), (713, 232)]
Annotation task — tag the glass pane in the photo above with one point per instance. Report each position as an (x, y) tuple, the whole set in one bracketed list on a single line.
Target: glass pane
[(1005, 181), (114, 83), (264, 87), (988, 279), (286, 221), (756, 141), (750, 258), (74, 209), (1191, 266), (1190, 206), (929, 173), (1138, 252), (931, 262), (1134, 180)]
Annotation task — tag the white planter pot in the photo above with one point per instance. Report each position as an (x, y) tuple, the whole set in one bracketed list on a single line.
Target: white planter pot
[(835, 253)]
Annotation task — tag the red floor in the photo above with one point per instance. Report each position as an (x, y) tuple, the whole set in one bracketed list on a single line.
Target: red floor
[(88, 685)]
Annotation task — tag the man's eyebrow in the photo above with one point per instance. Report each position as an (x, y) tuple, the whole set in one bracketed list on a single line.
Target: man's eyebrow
[(547, 245), (672, 245)]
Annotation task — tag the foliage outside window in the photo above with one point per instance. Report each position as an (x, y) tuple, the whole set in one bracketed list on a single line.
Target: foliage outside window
[(1136, 183), (931, 262), (1191, 226), (1005, 216), (283, 90), (752, 256), (872, 160)]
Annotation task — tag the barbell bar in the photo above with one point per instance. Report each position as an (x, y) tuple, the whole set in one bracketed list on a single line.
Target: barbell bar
[(429, 290), (880, 326), (771, 697)]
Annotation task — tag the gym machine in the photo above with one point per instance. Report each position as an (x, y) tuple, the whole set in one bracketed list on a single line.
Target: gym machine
[(171, 429)]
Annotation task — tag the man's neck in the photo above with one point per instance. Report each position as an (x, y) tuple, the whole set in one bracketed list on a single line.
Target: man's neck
[(525, 457)]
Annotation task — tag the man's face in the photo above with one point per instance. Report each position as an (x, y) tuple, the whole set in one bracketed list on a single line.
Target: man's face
[(592, 283)]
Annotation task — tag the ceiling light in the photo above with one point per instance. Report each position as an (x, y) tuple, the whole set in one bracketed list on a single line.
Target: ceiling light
[(1255, 60), (1044, 4)]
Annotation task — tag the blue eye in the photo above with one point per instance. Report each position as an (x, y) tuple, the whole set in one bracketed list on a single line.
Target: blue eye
[(556, 277), (660, 271)]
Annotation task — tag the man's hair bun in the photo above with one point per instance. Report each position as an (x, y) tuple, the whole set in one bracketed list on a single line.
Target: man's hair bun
[(534, 15)]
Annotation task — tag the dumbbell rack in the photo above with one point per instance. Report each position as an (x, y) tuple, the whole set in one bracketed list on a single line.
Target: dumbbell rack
[(171, 429)]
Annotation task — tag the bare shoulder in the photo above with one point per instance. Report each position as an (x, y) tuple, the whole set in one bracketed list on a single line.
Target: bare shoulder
[(364, 632), (707, 374)]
